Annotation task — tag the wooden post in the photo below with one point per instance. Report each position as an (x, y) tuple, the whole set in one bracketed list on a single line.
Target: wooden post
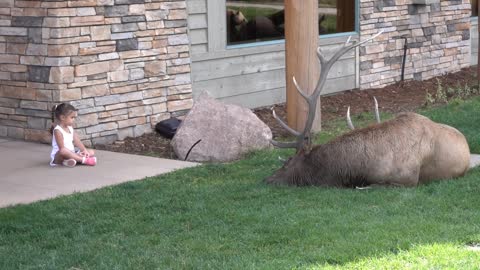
[(301, 42)]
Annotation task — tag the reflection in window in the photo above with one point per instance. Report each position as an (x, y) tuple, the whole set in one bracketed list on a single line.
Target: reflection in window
[(474, 8), (263, 20)]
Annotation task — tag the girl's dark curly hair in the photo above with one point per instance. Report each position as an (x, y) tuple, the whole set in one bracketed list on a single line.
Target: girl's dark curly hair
[(59, 110)]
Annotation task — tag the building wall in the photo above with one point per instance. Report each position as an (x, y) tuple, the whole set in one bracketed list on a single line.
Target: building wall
[(438, 37), (441, 38), (474, 41), (251, 76), (125, 64)]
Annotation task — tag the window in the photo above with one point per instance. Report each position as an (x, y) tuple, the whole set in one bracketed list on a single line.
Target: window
[(263, 20), (474, 8)]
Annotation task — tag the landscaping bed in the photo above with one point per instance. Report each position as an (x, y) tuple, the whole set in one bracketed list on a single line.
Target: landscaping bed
[(399, 97)]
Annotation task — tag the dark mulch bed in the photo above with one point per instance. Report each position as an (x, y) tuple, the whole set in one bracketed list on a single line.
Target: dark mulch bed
[(399, 97)]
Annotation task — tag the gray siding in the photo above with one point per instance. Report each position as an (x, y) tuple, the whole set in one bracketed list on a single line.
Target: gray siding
[(249, 76), (197, 25), (474, 41)]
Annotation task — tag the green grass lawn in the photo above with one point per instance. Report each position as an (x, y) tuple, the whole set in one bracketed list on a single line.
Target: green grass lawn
[(463, 115), (225, 217)]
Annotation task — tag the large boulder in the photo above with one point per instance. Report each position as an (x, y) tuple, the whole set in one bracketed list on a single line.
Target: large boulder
[(227, 132)]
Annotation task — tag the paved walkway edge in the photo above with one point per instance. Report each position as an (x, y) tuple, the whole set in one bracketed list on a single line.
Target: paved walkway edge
[(474, 160), (26, 176)]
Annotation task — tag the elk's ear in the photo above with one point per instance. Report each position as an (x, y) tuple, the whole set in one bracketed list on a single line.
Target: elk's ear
[(307, 146), (307, 149)]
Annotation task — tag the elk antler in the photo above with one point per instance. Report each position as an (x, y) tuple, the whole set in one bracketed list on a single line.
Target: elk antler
[(349, 120), (303, 138), (377, 115)]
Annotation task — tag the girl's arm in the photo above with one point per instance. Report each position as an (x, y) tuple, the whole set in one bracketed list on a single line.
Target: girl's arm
[(59, 138), (78, 143)]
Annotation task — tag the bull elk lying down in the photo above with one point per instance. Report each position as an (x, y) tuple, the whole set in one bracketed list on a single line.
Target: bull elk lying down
[(405, 151)]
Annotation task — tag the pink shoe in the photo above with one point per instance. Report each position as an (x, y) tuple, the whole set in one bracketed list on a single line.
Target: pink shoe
[(90, 161), (69, 163)]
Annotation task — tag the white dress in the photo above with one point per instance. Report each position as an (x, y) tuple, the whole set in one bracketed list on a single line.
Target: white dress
[(67, 142)]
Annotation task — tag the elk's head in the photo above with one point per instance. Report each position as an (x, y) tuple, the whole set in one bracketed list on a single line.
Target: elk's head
[(297, 170)]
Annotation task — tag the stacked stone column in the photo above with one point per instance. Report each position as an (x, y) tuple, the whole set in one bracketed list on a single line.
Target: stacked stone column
[(438, 38), (125, 64)]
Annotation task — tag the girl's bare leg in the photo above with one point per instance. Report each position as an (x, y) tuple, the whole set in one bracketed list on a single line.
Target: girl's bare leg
[(64, 154), (90, 153)]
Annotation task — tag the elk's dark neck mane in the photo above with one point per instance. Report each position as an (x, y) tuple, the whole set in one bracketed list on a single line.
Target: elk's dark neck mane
[(340, 171)]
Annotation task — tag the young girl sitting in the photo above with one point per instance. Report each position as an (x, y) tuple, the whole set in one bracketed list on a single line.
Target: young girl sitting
[(65, 139)]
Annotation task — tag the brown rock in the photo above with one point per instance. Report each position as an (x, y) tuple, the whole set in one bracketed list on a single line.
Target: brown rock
[(97, 50), (56, 22), (179, 105), (9, 59), (38, 135), (155, 68), (100, 32), (63, 50), (16, 48), (61, 75), (132, 122), (70, 94), (13, 68), (95, 90), (93, 68), (82, 3), (87, 20)]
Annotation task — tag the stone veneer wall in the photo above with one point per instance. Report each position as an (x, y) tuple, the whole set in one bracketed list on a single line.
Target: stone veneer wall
[(438, 39), (125, 64)]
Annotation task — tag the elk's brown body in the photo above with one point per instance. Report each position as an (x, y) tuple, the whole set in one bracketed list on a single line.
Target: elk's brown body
[(405, 151)]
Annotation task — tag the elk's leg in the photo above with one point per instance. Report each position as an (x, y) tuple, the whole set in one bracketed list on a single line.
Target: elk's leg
[(408, 177), (386, 185)]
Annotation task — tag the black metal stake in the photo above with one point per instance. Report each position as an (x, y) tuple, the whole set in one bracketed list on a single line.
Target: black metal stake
[(405, 47)]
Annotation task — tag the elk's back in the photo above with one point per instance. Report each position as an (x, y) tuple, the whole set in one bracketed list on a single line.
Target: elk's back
[(403, 151), (451, 156)]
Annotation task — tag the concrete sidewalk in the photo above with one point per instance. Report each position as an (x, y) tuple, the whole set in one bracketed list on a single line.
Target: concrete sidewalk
[(474, 160), (26, 177)]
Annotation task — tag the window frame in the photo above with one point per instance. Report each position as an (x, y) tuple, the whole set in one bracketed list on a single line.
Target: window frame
[(221, 29), (473, 19)]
